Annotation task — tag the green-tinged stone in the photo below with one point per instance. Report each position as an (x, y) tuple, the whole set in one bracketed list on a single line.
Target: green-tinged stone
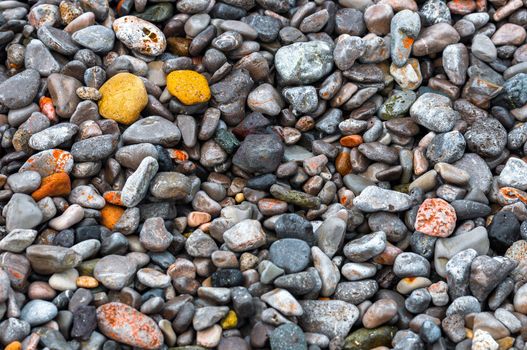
[(86, 267), (226, 140), (365, 339), (298, 198), (404, 188), (397, 105), (157, 13)]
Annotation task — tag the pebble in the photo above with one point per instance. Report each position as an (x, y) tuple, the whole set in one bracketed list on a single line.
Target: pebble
[(304, 62), (37, 312), (123, 98), (139, 35), (290, 254), (124, 324)]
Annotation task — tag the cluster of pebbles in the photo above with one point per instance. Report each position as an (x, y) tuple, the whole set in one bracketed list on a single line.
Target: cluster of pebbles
[(263, 174)]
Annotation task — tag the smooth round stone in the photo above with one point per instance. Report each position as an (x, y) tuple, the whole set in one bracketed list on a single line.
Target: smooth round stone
[(156, 13), (37, 312), (57, 40), (97, 38), (244, 236), (267, 27), (153, 278), (411, 265), (265, 99), (283, 301), (170, 185), (303, 99), (21, 212), (504, 231), (13, 330), (404, 28), (65, 280), (456, 62), (227, 278), (379, 313), (397, 105), (303, 63), (196, 24), (139, 35), (367, 247), (329, 317), (114, 271), (154, 130), (292, 255), (188, 86), (53, 136), (434, 112), (446, 147), (294, 226), (436, 218), (288, 337), (373, 199), (154, 236), (244, 29), (358, 271), (123, 98), (39, 58), (370, 338), (132, 328), (483, 48), (259, 153), (25, 182), (20, 90), (18, 240)]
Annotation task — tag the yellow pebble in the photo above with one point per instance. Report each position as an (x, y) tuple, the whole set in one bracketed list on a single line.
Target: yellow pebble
[(16, 345), (187, 234), (230, 321), (188, 86), (239, 197), (469, 333), (505, 343), (123, 98), (87, 282)]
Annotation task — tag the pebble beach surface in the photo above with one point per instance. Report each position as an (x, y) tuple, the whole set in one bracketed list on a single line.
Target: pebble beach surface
[(263, 174)]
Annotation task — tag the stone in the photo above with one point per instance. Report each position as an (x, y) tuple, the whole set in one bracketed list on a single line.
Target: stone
[(126, 325), (114, 271), (244, 236), (304, 63), (123, 98), (373, 199), (37, 312), (188, 86), (139, 35), (288, 336), (259, 153), (20, 90), (290, 254), (334, 318), (436, 218)]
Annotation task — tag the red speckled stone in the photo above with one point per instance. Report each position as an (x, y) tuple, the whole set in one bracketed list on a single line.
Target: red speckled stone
[(436, 217), (126, 325)]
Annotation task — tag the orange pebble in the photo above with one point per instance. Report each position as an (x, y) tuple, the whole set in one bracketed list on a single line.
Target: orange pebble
[(196, 218), (343, 163), (351, 141), (110, 214), (54, 185), (113, 197), (16, 345), (46, 107), (87, 282)]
